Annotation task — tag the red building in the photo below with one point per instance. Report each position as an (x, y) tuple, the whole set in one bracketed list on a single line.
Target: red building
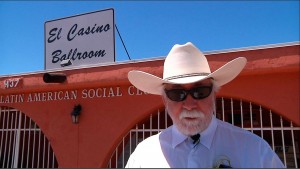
[(36, 127)]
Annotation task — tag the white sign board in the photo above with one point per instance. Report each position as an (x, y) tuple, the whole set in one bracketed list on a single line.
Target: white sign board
[(80, 40)]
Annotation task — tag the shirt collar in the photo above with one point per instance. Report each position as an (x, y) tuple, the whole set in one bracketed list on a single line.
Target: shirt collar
[(177, 137), (206, 137)]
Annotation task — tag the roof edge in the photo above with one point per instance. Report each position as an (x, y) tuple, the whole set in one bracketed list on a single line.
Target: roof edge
[(276, 45)]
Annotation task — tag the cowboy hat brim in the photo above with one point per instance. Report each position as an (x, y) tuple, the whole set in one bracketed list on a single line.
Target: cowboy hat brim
[(154, 85)]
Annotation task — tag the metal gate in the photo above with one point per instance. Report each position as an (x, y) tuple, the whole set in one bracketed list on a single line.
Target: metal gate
[(22, 143), (281, 134)]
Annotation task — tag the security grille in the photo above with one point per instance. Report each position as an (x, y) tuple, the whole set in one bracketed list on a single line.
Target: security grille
[(22, 144), (282, 136)]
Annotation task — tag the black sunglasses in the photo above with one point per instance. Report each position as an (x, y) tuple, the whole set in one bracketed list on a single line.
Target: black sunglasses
[(197, 93)]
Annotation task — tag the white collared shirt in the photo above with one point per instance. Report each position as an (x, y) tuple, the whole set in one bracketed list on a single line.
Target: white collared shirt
[(220, 141)]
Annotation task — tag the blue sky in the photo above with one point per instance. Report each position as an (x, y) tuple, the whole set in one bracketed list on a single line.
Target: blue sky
[(148, 28)]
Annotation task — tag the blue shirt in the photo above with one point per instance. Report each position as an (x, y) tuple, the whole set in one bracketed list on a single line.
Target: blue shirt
[(220, 143)]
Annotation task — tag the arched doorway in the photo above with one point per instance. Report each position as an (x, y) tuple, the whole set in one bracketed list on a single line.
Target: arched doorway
[(22, 143), (282, 136)]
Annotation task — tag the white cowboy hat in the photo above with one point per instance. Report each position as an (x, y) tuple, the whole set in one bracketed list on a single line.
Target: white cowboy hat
[(185, 64)]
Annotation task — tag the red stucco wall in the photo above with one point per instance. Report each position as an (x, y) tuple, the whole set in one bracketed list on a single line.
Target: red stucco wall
[(270, 79)]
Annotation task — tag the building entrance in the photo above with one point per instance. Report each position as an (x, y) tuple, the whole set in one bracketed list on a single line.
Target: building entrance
[(22, 143), (281, 134)]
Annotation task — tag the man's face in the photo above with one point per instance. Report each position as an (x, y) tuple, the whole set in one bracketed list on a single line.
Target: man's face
[(190, 116)]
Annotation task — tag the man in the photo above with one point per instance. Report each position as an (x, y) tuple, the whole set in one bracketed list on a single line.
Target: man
[(196, 138)]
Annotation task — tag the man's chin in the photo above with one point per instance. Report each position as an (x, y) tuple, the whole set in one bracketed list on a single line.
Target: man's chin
[(189, 130)]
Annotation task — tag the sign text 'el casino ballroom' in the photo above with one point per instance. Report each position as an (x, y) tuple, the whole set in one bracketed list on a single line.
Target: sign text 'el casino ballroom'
[(80, 40)]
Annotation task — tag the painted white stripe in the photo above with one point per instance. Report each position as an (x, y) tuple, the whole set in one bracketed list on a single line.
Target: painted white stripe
[(294, 147), (283, 144)]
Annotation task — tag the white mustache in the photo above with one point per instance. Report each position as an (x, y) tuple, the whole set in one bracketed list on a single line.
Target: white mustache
[(190, 114)]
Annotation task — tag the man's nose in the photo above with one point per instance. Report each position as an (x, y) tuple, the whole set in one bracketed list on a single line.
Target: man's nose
[(189, 103)]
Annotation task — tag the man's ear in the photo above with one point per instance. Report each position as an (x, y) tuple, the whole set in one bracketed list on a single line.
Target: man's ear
[(163, 97)]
